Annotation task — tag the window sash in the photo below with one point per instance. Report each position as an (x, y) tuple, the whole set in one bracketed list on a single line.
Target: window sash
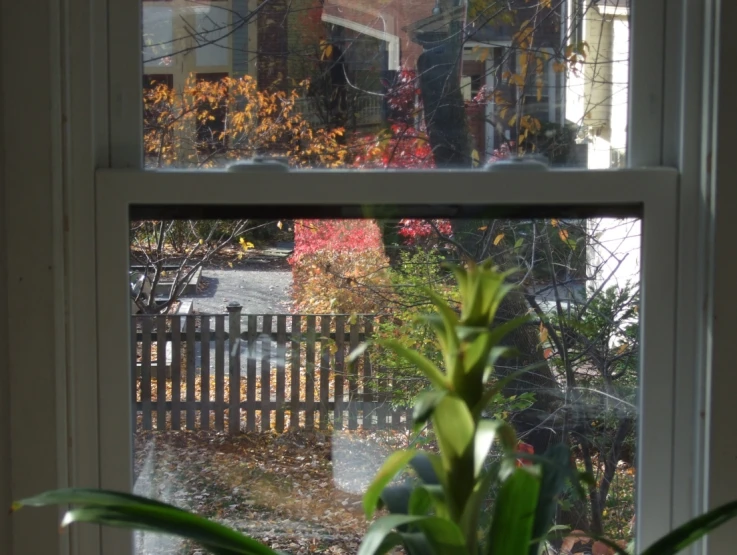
[(654, 190), (646, 137)]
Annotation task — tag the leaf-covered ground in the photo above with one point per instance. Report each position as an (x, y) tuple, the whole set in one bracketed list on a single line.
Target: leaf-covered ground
[(298, 491)]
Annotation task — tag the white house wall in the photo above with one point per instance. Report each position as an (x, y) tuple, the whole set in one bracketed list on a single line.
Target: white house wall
[(615, 252), (620, 82)]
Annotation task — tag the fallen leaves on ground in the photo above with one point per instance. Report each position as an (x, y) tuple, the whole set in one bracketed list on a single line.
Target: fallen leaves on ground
[(299, 491)]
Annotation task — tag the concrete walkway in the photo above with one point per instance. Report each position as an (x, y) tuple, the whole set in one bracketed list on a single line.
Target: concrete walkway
[(260, 284)]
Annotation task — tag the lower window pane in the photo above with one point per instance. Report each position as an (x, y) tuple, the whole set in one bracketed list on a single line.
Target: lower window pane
[(246, 407)]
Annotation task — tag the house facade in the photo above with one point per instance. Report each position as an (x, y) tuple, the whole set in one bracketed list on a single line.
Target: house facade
[(357, 47)]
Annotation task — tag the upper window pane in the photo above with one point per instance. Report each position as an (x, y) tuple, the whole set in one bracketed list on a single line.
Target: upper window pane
[(395, 83)]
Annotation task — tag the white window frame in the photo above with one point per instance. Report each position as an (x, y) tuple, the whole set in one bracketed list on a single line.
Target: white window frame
[(655, 190), (646, 148), (95, 92)]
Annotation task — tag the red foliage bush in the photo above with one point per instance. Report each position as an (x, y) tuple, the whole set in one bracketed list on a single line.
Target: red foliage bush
[(417, 231), (339, 266), (312, 236), (404, 144), (401, 146)]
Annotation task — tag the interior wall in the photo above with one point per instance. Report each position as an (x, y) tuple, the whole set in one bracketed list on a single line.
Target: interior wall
[(5, 472), (722, 389), (34, 368)]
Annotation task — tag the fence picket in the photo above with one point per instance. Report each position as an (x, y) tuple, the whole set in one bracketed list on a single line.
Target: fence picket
[(281, 353), (295, 345), (136, 380), (251, 374), (324, 371), (161, 372), (205, 373), (266, 374), (395, 411), (353, 378), (220, 372), (176, 373), (339, 370), (191, 369), (310, 374), (368, 385), (234, 368), (146, 324)]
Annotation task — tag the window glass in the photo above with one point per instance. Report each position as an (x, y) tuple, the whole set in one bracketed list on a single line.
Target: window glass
[(402, 84), (246, 410)]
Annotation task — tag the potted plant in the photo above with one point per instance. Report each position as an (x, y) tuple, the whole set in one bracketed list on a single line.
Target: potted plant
[(439, 511)]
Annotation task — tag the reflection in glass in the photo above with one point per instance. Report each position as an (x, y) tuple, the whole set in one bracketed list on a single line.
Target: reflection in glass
[(398, 83), (245, 406)]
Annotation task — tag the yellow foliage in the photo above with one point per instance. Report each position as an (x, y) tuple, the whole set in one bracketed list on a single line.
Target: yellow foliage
[(517, 80), (326, 282), (209, 124)]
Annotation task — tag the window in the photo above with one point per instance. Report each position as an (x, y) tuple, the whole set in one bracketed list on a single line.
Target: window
[(428, 138), (276, 205)]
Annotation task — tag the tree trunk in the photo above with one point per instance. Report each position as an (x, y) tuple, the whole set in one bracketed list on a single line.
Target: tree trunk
[(445, 112), (538, 425)]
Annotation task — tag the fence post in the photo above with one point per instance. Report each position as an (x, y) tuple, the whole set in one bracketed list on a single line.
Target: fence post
[(234, 367)]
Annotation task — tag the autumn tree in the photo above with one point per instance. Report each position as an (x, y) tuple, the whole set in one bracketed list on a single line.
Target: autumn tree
[(339, 266), (167, 254), (211, 123)]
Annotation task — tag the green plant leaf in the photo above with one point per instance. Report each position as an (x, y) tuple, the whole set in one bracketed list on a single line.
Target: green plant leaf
[(498, 387), (425, 404), (450, 318), (514, 514), (447, 340), (556, 469), (392, 466), (431, 372), (472, 510), (476, 356), (472, 309), (486, 432), (428, 467), (495, 291), (443, 535), (390, 540), (469, 333), (131, 511), (396, 499), (502, 330), (420, 501), (462, 277), (495, 353), (416, 543), (454, 426), (693, 530)]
